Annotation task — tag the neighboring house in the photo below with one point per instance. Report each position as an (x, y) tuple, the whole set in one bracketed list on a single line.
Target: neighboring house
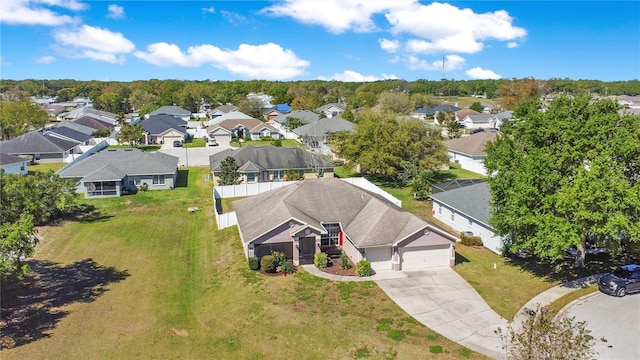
[(45, 148), (305, 117), (164, 129), (87, 111), (222, 110), (13, 164), (251, 128), (93, 123), (114, 172), (431, 113), (234, 115), (173, 111), (265, 99), (283, 108), (486, 121), (468, 209), (312, 216), (331, 110), (70, 133), (463, 113), (270, 113), (321, 131), (268, 163), (469, 151)]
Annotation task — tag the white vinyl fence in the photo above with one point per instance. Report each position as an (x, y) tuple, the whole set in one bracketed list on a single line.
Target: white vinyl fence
[(225, 220)]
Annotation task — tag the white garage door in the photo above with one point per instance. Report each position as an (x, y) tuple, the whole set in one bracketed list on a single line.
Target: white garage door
[(222, 139), (421, 257), (380, 258)]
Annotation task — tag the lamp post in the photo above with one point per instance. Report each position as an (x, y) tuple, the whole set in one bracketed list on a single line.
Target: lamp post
[(186, 154)]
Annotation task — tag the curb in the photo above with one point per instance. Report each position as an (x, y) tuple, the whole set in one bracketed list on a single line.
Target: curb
[(575, 303)]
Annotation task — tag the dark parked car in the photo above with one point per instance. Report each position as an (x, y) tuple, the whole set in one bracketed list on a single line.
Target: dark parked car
[(625, 279), (177, 143)]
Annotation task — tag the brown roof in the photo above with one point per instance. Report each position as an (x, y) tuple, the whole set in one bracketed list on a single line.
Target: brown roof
[(251, 124), (472, 145), (461, 114)]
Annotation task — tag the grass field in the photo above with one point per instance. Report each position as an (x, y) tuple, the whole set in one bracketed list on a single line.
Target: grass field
[(141, 277)]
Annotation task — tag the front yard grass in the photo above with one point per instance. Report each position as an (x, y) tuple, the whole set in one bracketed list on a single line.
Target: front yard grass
[(143, 277)]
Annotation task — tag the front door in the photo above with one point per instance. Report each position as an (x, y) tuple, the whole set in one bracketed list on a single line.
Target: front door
[(307, 250)]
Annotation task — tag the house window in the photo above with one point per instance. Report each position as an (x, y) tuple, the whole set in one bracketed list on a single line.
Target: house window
[(321, 173), (278, 175), (251, 177), (158, 179), (453, 216), (301, 174), (332, 237), (22, 167), (470, 223), (439, 210)]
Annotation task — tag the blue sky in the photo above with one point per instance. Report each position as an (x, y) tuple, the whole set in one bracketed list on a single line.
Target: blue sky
[(346, 40)]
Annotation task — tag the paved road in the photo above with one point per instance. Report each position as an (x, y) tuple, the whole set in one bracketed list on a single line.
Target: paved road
[(615, 319), (193, 156), (444, 302)]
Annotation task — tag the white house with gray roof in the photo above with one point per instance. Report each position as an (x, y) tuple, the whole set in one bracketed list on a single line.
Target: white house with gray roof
[(486, 121), (469, 151), (12, 164), (467, 209), (114, 172), (318, 215), (173, 111)]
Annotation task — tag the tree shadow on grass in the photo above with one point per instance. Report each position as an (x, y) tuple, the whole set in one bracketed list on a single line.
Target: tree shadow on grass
[(564, 270), (87, 213), (461, 259), (182, 180), (31, 308)]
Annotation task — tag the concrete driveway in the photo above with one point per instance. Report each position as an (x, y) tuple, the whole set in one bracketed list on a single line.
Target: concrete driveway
[(443, 301), (193, 156), (615, 319)]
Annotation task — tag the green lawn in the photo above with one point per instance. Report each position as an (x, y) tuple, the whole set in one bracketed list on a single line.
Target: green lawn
[(194, 143), (142, 277), (44, 167)]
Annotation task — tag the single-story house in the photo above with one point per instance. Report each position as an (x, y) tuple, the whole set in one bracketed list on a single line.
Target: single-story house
[(251, 128), (304, 116), (486, 121), (93, 123), (173, 111), (44, 148), (312, 216), (463, 113), (70, 133), (164, 129), (430, 113), (269, 163), (331, 110), (323, 130), (468, 209), (13, 164), (222, 110), (88, 111), (469, 151), (114, 172)]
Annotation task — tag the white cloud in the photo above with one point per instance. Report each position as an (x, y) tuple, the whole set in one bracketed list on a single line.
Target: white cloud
[(451, 62), (45, 60), (209, 10), (512, 44), (93, 43), (337, 16), (115, 11), (267, 61), (3, 61), (352, 76), (443, 27), (232, 17), (480, 73), (26, 12), (390, 46)]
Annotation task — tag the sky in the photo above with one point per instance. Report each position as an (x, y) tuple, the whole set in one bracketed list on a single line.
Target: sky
[(344, 40)]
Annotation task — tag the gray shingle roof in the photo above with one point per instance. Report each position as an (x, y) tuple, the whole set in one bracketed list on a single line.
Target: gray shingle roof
[(305, 116), (95, 124), (34, 142), (325, 126), (115, 162), (472, 145), (87, 111), (250, 123), (67, 133), (367, 219), (473, 201), (270, 158), (6, 159), (170, 110), (158, 124)]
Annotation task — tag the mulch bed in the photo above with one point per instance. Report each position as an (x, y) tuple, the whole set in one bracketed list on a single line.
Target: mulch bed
[(333, 267)]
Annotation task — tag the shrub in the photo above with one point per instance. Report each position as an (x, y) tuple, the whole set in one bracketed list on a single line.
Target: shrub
[(266, 138), (470, 240), (268, 264), (320, 260), (254, 263), (287, 267), (277, 142), (144, 187), (363, 268), (279, 257), (344, 261)]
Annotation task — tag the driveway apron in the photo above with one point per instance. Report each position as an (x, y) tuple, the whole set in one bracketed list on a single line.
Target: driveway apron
[(443, 301)]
